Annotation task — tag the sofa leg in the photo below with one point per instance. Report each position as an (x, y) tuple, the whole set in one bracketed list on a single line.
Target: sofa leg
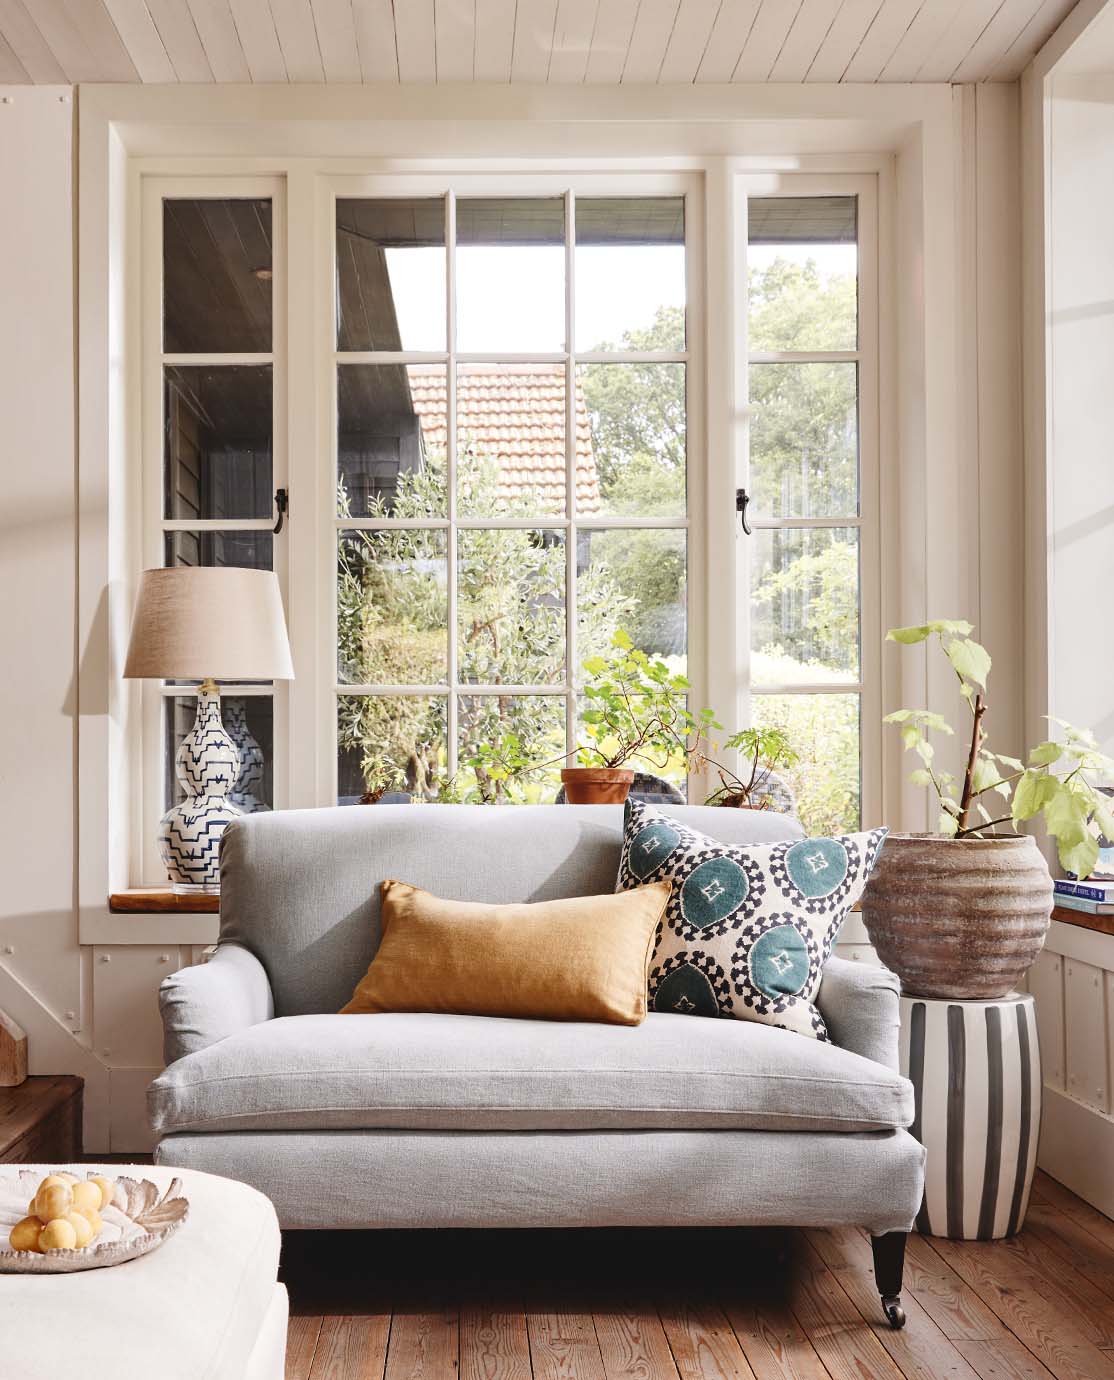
[(889, 1263)]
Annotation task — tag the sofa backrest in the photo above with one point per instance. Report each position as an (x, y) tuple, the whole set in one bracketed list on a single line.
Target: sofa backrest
[(300, 888)]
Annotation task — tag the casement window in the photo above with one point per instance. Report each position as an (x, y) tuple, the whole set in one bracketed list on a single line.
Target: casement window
[(497, 389)]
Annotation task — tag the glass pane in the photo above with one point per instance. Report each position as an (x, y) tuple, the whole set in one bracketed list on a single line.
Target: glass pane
[(392, 607), (510, 274), (217, 268), (804, 599), (802, 262), (391, 432), (634, 580), (804, 439), (252, 550), (217, 442), (630, 273), (494, 729), (824, 729), (389, 746), (636, 461), (391, 274), (510, 440), (511, 606), (249, 722)]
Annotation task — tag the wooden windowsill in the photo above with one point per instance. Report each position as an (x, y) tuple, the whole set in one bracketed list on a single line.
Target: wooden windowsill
[(1101, 924), (153, 900)]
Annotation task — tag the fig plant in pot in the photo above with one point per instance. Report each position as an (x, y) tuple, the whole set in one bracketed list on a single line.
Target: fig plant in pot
[(756, 785), (963, 913)]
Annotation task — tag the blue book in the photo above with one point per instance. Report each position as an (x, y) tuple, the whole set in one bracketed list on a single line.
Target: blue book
[(1086, 905), (1090, 891)]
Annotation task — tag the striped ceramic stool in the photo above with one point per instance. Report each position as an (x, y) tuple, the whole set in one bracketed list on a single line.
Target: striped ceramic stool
[(975, 1067)]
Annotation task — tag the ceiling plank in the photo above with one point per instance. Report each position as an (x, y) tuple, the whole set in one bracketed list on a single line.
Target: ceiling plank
[(454, 23), (572, 40), (255, 25), (83, 38), (416, 39), (766, 40), (336, 37), (689, 40), (920, 38), (998, 36), (297, 36), (727, 41), (12, 71), (957, 40), (29, 46), (375, 39), (610, 40), (881, 40), (181, 40), (653, 28), (217, 31), (142, 39), (842, 40), (533, 40), (494, 40), (1032, 39), (803, 41)]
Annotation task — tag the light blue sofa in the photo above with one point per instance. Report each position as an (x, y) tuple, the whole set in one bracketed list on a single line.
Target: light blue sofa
[(461, 1121)]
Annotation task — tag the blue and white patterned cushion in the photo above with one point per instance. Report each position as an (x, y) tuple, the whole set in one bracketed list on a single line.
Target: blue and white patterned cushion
[(748, 930)]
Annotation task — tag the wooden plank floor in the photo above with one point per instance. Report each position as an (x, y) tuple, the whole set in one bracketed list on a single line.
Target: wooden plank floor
[(702, 1305)]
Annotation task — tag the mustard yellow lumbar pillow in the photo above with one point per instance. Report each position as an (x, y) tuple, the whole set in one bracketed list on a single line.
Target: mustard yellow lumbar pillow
[(578, 959)]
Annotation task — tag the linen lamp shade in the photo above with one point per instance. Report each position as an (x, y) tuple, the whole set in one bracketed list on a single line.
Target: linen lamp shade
[(209, 622)]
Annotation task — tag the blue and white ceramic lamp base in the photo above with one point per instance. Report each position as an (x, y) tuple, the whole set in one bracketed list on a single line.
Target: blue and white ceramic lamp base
[(219, 779)]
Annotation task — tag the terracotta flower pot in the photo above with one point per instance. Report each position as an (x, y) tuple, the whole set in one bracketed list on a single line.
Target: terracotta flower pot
[(961, 918), (596, 785)]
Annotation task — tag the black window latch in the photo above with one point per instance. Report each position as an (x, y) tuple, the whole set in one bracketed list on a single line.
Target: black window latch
[(282, 502), (742, 499)]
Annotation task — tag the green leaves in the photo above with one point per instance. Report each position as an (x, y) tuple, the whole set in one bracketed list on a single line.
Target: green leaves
[(941, 627), (969, 660), (1044, 754)]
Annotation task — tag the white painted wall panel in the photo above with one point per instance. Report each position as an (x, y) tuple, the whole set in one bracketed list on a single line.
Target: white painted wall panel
[(1085, 1042), (1046, 983), (128, 1029)]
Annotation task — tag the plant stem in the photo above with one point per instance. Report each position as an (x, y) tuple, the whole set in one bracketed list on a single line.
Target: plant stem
[(978, 710)]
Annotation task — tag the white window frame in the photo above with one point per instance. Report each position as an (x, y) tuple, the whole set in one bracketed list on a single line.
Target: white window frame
[(549, 185), (867, 523), (304, 357), (149, 806)]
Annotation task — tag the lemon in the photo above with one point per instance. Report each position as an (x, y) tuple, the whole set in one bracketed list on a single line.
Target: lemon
[(24, 1235), (87, 1194), (53, 1200), (57, 1235), (83, 1228), (107, 1188)]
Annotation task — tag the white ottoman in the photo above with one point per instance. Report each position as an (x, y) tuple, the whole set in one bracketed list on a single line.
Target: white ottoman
[(205, 1306)]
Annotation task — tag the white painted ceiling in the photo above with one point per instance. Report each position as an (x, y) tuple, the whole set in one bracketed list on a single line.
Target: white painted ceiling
[(555, 41)]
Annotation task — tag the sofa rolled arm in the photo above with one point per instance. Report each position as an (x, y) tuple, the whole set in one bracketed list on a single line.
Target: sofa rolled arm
[(859, 1003), (210, 1001)]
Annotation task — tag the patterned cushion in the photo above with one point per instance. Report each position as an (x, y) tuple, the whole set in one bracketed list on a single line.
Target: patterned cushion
[(747, 931)]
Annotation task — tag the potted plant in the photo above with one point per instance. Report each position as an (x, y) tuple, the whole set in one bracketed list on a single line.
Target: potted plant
[(963, 912), (756, 786)]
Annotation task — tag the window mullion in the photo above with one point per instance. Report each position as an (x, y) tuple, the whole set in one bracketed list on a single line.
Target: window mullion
[(452, 707), (570, 471)]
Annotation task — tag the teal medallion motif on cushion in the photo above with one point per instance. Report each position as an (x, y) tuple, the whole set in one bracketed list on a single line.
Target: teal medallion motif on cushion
[(779, 962), (651, 847), (817, 867), (712, 891), (686, 992)]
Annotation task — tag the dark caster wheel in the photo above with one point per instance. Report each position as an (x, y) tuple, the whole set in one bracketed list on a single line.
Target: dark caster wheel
[(895, 1314)]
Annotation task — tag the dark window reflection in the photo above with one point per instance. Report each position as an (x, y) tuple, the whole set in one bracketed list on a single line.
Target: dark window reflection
[(217, 444), (217, 269)]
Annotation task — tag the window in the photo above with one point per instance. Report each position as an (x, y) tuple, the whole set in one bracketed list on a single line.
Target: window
[(511, 462), (812, 479)]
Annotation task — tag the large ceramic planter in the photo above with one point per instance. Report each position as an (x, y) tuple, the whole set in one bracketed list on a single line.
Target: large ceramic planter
[(961, 918), (596, 785)]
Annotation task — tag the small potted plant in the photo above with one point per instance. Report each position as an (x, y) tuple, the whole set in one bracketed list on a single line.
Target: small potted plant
[(963, 912), (756, 786)]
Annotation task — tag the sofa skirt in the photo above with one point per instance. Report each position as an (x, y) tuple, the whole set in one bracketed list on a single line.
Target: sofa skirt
[(362, 1179)]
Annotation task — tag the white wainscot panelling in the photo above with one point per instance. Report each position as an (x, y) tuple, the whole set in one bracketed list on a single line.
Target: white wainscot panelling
[(1085, 1034), (854, 942), (128, 1029), (131, 1132), (1046, 983)]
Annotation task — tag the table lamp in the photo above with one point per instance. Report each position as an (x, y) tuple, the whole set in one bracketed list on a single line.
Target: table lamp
[(206, 623)]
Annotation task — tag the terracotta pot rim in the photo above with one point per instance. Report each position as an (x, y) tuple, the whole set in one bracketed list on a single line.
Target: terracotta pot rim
[(597, 773)]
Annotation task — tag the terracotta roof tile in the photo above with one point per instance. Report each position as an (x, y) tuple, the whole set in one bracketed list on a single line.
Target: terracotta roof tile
[(516, 413)]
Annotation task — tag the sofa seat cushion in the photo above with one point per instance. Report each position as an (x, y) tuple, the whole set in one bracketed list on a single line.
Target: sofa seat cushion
[(449, 1072)]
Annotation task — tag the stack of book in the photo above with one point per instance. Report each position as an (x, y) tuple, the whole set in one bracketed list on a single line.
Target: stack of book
[(1095, 896)]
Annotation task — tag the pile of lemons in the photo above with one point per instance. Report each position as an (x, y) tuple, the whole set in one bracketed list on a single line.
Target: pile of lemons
[(64, 1214)]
